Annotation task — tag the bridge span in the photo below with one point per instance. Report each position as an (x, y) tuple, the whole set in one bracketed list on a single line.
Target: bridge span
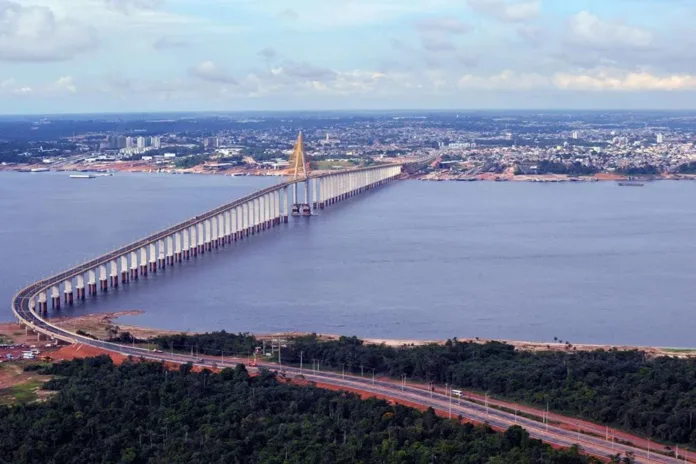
[(217, 228)]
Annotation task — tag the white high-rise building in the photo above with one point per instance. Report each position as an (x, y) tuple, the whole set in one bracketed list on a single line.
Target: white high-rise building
[(156, 142), (660, 138), (130, 142), (142, 143), (576, 135)]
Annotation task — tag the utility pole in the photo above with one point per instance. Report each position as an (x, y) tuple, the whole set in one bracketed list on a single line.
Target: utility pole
[(343, 371), (280, 361), (450, 405), (361, 370), (301, 353)]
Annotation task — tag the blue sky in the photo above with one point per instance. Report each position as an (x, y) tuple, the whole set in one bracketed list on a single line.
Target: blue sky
[(159, 55)]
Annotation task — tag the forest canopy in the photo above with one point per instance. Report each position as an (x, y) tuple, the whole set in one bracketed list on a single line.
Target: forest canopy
[(141, 412)]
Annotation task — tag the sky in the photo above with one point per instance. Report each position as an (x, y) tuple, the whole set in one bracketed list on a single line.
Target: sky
[(77, 56)]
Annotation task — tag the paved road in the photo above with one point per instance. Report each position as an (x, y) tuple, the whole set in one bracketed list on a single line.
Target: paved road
[(415, 395)]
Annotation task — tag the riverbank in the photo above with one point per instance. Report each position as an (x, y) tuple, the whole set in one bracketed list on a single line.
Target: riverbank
[(440, 176), (104, 325), (217, 169)]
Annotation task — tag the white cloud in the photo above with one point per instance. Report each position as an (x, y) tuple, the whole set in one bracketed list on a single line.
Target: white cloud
[(590, 30), (624, 82), (64, 84), (437, 33), (209, 71), (34, 33), (128, 6), (505, 80), (507, 10), (169, 43)]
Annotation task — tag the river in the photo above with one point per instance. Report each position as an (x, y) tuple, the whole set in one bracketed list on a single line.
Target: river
[(588, 263)]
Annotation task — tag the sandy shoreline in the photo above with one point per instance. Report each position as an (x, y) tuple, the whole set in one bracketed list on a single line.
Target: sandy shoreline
[(99, 325)]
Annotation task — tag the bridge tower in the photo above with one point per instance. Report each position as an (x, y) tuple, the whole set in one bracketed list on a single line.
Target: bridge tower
[(300, 173)]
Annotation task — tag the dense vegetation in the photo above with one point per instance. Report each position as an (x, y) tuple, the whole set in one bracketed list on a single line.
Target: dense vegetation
[(687, 168), (653, 397), (140, 412), (551, 167)]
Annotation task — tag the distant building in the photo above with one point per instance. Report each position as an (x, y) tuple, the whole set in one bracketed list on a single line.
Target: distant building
[(130, 142), (576, 135), (142, 142), (660, 138), (211, 142), (156, 142)]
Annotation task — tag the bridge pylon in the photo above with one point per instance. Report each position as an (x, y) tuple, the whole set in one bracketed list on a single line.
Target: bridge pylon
[(300, 174)]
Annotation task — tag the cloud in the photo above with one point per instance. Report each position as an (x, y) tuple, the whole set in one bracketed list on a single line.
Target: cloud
[(210, 72), (128, 6), (168, 43), (607, 80), (13, 88), (624, 82), (268, 53), (303, 71), (507, 10), (65, 84), (505, 80), (443, 25), (33, 33), (587, 29), (289, 14), (436, 33)]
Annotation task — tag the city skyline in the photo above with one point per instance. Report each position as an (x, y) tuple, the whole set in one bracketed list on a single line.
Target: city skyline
[(83, 56)]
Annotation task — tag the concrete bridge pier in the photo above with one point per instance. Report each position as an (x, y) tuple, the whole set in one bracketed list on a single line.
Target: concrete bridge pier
[(134, 265), (185, 244), (43, 303), (124, 269), (169, 244), (55, 298), (68, 292), (152, 261), (177, 248), (161, 255), (80, 287), (207, 242), (103, 282), (113, 276), (143, 262), (92, 282), (286, 205), (200, 247), (213, 241)]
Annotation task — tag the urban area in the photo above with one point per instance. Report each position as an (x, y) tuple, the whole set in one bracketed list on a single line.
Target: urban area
[(526, 146)]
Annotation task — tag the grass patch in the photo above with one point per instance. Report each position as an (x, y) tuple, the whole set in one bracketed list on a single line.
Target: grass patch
[(326, 165), (23, 393), (679, 350)]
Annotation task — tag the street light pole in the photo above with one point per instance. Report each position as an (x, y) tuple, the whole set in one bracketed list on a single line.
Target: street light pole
[(301, 353)]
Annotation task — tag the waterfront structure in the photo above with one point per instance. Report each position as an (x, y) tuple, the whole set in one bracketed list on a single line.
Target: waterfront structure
[(220, 227)]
